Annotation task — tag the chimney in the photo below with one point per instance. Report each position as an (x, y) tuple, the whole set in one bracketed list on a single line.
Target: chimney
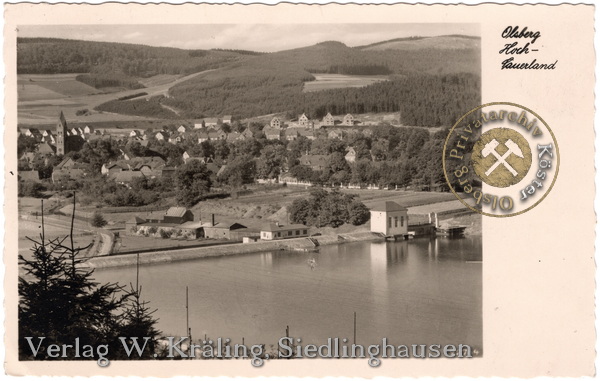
[(212, 219)]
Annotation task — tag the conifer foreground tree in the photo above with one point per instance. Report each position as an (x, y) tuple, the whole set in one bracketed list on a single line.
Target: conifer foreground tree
[(60, 301)]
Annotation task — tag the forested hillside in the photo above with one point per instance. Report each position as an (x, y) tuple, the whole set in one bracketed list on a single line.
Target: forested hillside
[(50, 55), (430, 86), (109, 64)]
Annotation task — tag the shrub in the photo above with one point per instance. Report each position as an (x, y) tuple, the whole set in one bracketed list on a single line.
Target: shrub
[(98, 220), (165, 233), (30, 188)]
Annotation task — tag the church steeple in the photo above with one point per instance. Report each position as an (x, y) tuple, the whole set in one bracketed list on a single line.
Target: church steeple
[(61, 134)]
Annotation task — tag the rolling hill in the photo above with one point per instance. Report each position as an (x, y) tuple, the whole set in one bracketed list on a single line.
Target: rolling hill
[(450, 42), (439, 74)]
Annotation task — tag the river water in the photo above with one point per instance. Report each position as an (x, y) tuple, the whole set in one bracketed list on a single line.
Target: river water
[(422, 291)]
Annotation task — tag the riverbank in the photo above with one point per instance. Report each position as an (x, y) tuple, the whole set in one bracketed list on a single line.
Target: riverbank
[(295, 244)]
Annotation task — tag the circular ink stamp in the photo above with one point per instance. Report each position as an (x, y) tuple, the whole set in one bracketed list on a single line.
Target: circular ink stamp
[(501, 159)]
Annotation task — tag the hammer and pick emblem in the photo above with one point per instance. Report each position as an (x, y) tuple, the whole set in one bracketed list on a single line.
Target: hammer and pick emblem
[(497, 148), (513, 149)]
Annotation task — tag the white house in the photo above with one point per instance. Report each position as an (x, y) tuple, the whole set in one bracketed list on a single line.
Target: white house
[(211, 122), (328, 120), (276, 231), (389, 218), (276, 123), (303, 120), (348, 120)]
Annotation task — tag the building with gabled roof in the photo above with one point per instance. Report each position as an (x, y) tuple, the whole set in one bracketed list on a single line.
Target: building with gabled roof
[(202, 137), (276, 123), (211, 122), (29, 157), (178, 215), (328, 120), (161, 135), (335, 134), (47, 149), (66, 163), (303, 120), (307, 133), (315, 162), (233, 231), (247, 134), (291, 133), (233, 136), (348, 120), (272, 133), (177, 138)]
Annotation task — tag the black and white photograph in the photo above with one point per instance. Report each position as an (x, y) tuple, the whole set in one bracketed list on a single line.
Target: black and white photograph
[(299, 190), (210, 187)]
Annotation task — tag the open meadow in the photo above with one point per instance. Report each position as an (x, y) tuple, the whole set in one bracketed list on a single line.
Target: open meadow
[(41, 96), (340, 81)]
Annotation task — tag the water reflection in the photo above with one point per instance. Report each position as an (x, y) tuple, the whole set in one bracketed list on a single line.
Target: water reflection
[(418, 291)]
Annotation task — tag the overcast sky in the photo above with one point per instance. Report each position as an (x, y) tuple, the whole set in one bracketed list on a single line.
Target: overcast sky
[(257, 37)]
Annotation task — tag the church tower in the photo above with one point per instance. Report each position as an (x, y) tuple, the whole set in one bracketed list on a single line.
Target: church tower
[(61, 135)]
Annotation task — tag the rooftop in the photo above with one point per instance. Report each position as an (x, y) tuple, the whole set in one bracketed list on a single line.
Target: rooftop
[(176, 211), (276, 228), (388, 206)]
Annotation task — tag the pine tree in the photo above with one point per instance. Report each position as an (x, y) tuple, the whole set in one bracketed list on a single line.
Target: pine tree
[(139, 322), (60, 301), (98, 220)]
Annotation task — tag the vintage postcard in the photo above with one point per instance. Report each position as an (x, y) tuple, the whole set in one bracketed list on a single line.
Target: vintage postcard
[(299, 190)]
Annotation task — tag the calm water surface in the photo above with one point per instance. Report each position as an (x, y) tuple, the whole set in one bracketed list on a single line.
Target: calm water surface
[(423, 291)]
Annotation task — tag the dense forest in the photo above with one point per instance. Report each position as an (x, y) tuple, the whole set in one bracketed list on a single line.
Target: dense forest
[(422, 100), (51, 55), (108, 64)]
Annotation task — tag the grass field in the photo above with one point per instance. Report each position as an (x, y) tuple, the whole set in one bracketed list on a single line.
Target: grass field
[(33, 229), (340, 81), (158, 80), (39, 105), (42, 87)]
